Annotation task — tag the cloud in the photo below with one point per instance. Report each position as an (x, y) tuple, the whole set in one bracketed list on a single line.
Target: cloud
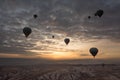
[(85, 55), (55, 17)]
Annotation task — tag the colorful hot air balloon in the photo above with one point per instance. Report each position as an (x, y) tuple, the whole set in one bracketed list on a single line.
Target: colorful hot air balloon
[(93, 51), (66, 40), (27, 31)]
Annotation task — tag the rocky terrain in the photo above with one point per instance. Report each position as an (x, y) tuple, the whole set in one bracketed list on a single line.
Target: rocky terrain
[(60, 72)]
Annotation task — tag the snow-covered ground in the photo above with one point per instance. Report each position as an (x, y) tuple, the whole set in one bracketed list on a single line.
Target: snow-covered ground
[(60, 72)]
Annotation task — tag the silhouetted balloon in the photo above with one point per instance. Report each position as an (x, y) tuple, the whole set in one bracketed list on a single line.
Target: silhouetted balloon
[(66, 40), (99, 13), (89, 17), (103, 64), (93, 51), (27, 31), (35, 16), (53, 36)]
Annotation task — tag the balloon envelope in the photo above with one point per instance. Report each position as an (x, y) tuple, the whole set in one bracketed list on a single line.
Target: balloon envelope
[(89, 17), (53, 36), (27, 31), (66, 40), (99, 13), (93, 51), (35, 16), (103, 64)]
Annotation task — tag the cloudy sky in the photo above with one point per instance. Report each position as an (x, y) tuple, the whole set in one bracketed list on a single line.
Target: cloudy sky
[(61, 18)]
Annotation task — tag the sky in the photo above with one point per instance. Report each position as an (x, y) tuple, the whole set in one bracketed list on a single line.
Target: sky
[(63, 19)]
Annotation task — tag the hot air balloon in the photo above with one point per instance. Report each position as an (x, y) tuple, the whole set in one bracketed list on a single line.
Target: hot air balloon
[(93, 51), (35, 16), (27, 31), (53, 36), (66, 40), (89, 17), (99, 13), (103, 64)]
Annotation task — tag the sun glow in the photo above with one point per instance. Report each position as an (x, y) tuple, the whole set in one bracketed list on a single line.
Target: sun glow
[(75, 50), (61, 55)]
